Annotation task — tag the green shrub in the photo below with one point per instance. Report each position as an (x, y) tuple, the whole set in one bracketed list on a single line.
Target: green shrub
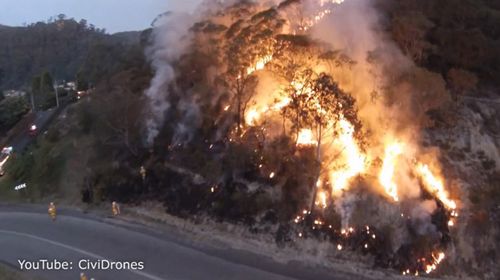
[(11, 111), (40, 167)]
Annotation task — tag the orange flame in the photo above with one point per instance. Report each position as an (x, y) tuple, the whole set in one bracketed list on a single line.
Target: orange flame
[(321, 199), (386, 177), (356, 160), (260, 64), (435, 186), (252, 116), (436, 261), (306, 138)]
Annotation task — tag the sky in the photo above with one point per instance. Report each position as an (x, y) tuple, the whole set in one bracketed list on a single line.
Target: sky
[(113, 15)]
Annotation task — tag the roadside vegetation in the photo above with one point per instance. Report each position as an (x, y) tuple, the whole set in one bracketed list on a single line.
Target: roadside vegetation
[(7, 273), (11, 111)]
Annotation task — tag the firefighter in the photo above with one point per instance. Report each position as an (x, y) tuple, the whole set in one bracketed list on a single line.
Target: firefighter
[(142, 171), (83, 276), (115, 208), (52, 211)]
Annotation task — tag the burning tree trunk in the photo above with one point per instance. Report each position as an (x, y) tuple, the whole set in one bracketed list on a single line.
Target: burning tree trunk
[(248, 46), (244, 90), (317, 101)]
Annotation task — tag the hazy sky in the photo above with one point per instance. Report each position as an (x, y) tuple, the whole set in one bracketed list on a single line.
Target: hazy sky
[(114, 15)]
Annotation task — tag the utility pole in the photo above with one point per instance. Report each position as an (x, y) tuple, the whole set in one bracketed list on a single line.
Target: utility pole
[(57, 94), (33, 109)]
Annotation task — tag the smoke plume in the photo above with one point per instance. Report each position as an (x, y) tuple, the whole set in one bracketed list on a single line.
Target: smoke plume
[(170, 39)]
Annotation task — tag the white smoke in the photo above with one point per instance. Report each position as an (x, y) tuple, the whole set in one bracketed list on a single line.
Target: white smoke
[(169, 41), (345, 206), (421, 217), (191, 117)]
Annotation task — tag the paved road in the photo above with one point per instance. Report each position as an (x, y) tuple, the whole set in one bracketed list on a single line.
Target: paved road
[(29, 234), (42, 120)]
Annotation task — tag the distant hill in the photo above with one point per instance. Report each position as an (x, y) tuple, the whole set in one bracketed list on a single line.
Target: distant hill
[(128, 37), (63, 47)]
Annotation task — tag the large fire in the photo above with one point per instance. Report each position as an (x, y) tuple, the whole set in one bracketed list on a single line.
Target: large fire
[(345, 162)]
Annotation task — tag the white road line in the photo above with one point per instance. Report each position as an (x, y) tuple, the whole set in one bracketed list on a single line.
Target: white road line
[(143, 274)]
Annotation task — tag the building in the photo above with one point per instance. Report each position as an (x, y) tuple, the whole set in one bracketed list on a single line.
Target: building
[(14, 93)]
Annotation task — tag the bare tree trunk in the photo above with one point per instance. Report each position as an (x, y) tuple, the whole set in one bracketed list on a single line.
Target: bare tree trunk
[(238, 120), (297, 125), (318, 159), (239, 95), (283, 124)]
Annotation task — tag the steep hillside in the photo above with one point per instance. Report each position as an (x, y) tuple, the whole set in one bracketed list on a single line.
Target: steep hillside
[(449, 34), (62, 47)]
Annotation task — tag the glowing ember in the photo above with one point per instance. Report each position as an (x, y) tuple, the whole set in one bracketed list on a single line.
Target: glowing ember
[(306, 138), (435, 186), (386, 177), (311, 22), (308, 24), (318, 222), (355, 159)]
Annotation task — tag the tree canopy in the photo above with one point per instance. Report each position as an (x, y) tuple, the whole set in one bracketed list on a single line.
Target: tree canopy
[(62, 47)]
